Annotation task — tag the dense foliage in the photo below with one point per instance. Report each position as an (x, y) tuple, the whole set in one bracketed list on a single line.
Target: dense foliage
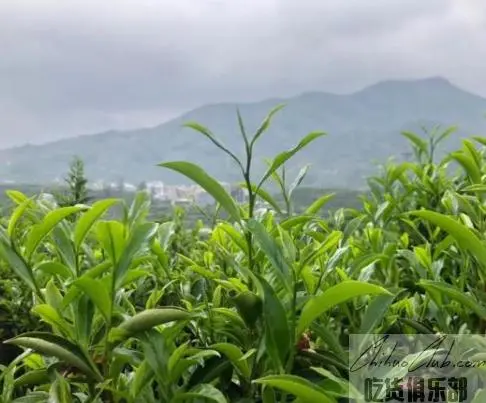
[(257, 308)]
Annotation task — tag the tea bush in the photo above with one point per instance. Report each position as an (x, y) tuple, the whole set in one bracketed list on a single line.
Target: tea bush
[(257, 308)]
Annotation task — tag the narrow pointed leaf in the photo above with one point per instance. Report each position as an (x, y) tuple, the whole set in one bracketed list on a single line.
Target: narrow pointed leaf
[(52, 345), (303, 389), (209, 184), (88, 219), (111, 235), (55, 269), (205, 392), (141, 237), (235, 355), (98, 293), (283, 157), (464, 236), (41, 230), (17, 265), (455, 294), (17, 215), (318, 204), (265, 123), (276, 322), (273, 252), (333, 296), (207, 133), (146, 320)]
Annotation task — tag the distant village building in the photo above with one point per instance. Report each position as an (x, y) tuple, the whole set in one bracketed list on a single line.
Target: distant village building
[(181, 194), (239, 193)]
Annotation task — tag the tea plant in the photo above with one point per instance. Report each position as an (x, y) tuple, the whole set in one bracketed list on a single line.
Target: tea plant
[(257, 308)]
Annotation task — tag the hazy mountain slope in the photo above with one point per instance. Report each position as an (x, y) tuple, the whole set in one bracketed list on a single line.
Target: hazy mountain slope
[(361, 127)]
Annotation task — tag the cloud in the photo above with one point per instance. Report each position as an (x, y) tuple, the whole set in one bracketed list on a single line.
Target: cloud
[(75, 67)]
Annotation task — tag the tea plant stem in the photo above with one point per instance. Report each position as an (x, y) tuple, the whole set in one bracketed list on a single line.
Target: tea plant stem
[(251, 201)]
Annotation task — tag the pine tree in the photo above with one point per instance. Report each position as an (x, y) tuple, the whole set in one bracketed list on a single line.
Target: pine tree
[(77, 192)]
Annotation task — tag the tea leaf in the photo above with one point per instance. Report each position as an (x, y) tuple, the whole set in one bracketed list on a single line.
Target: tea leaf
[(98, 293), (209, 184), (56, 346), (283, 157), (146, 320), (333, 296), (299, 387), (463, 235), (88, 219), (41, 230)]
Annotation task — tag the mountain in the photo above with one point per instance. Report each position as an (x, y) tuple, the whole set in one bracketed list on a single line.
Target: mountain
[(362, 127)]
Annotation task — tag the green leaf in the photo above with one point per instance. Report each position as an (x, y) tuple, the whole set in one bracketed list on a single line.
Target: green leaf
[(235, 355), (41, 230), (35, 377), (85, 312), (419, 143), (347, 387), (283, 157), (57, 346), (213, 368), (209, 184), (88, 219), (272, 251), (236, 236), (17, 215), (94, 272), (111, 235), (33, 397), (297, 386), (207, 133), (333, 296), (18, 265), (166, 231), (298, 180), (203, 391), (375, 313), (97, 292), (318, 204), (60, 391), (464, 236), (141, 236), (265, 124), (49, 315), (455, 294), (16, 196), (277, 331), (55, 269), (146, 320), (469, 165), (143, 375)]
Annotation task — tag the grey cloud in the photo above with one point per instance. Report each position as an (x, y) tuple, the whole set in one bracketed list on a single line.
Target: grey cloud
[(73, 67)]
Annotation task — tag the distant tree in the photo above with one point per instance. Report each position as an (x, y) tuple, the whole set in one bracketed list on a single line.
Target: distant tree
[(120, 186), (142, 186), (77, 190)]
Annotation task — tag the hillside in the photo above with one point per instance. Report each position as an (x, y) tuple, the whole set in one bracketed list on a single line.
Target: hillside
[(362, 127)]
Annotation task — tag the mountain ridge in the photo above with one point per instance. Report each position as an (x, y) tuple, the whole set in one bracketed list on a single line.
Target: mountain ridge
[(363, 125)]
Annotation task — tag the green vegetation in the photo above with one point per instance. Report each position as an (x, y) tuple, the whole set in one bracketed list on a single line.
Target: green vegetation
[(255, 308), (77, 191)]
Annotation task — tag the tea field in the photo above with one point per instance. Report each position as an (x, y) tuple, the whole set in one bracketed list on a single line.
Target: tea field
[(257, 307)]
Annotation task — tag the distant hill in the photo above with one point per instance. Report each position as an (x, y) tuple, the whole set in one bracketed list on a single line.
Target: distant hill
[(362, 127)]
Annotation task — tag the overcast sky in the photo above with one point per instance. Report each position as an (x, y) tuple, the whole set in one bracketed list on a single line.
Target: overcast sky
[(70, 67)]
